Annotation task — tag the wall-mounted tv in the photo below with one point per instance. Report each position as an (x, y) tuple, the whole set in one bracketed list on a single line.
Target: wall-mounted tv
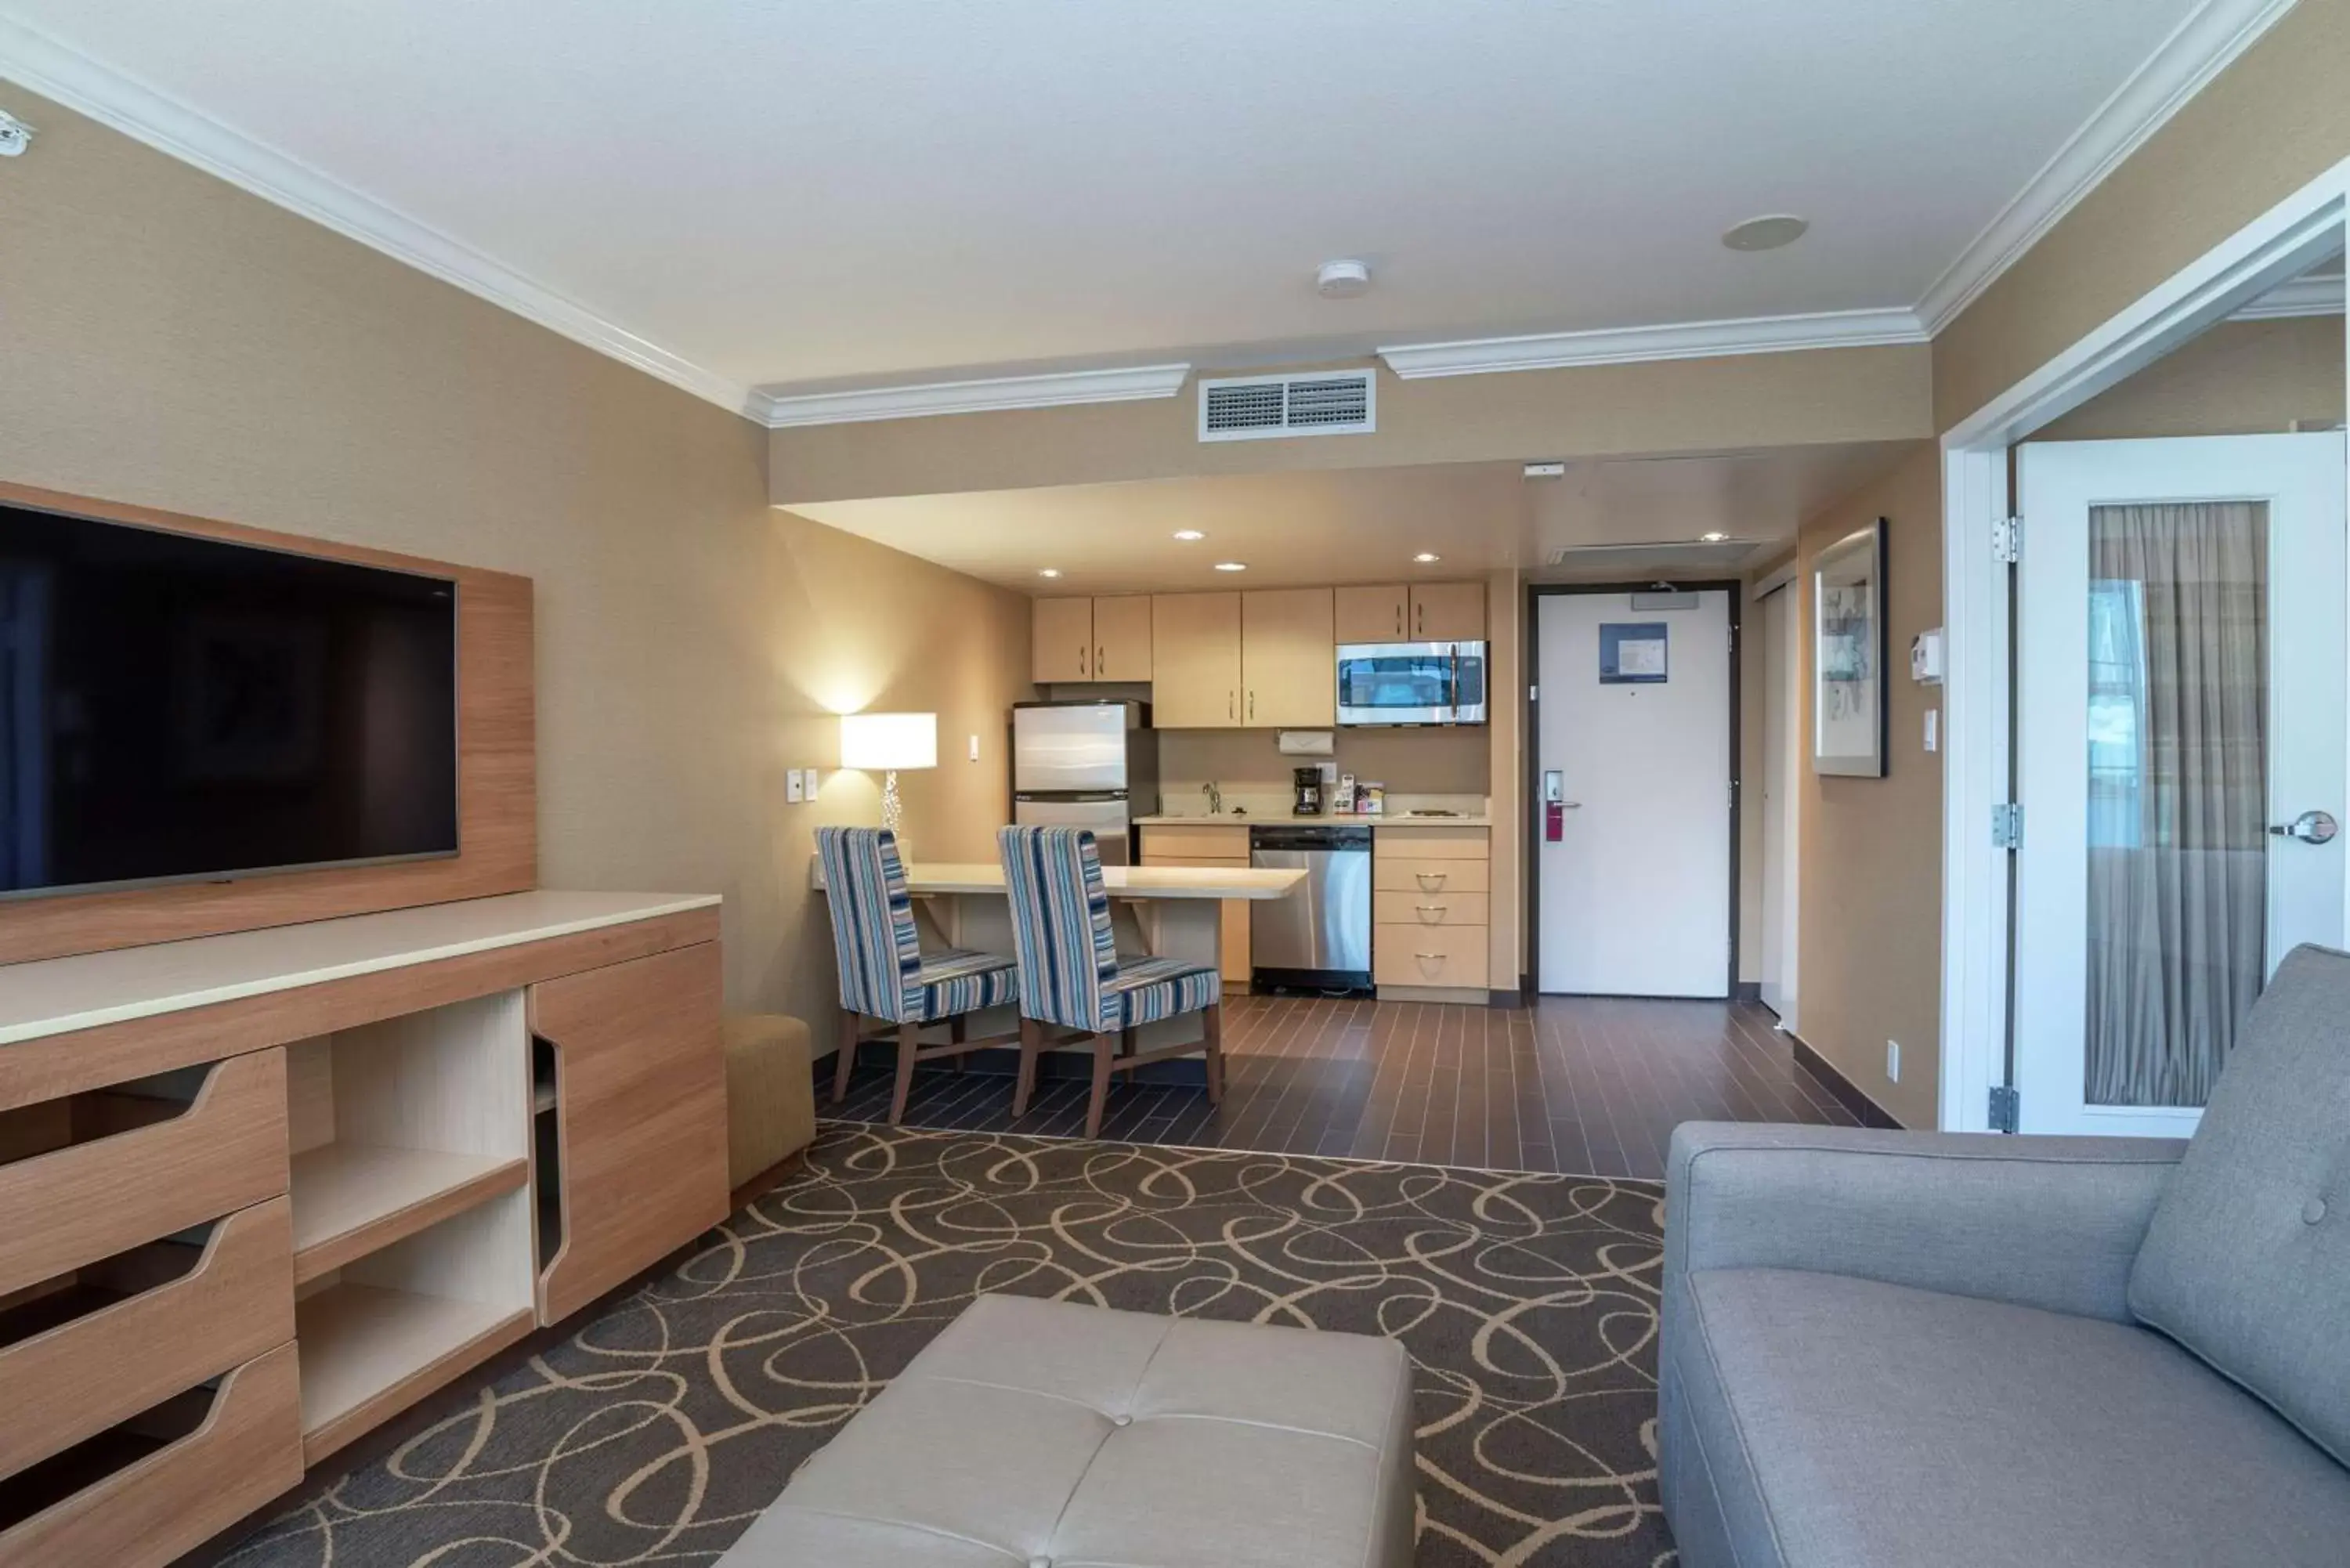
[(179, 708)]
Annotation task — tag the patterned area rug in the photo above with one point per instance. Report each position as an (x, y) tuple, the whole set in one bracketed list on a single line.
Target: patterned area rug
[(1528, 1302)]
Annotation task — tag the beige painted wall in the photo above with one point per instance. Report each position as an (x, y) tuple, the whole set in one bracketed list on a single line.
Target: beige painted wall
[(168, 340), (1871, 857), (1675, 406), (2267, 125), (2242, 377)]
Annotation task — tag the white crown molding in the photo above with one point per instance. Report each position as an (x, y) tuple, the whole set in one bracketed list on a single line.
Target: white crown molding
[(1631, 345), (2319, 295), (785, 409), (106, 95), (2197, 50)]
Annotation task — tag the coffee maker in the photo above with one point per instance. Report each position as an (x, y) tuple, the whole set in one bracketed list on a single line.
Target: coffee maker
[(1308, 783)]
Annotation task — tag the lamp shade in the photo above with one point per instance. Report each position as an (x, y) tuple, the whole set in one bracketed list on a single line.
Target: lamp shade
[(879, 743)]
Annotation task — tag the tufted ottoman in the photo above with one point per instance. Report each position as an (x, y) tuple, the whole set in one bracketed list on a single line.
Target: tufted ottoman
[(1045, 1433)]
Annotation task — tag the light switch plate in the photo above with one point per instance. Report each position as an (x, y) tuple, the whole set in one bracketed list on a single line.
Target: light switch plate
[(975, 748), (795, 787), (1933, 729)]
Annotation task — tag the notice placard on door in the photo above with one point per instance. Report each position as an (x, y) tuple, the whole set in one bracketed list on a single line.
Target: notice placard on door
[(1632, 653)]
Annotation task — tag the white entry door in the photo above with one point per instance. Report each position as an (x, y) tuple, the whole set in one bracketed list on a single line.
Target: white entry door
[(1778, 664), (2180, 759), (1634, 744)]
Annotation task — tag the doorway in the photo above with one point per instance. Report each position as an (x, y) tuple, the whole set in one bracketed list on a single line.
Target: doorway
[(1635, 805), (1780, 670), (2180, 760)]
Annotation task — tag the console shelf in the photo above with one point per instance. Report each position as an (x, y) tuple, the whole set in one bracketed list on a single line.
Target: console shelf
[(369, 1348), (350, 1200)]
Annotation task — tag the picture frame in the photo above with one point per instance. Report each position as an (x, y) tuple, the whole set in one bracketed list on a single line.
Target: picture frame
[(1850, 647)]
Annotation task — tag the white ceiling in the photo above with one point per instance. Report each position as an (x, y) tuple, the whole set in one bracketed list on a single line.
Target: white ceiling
[(800, 193), (1364, 525)]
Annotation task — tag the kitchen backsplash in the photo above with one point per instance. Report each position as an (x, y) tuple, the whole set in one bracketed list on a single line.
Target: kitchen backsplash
[(1447, 767)]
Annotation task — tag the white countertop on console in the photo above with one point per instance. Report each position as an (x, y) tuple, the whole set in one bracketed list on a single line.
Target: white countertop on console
[(1121, 881), (55, 996)]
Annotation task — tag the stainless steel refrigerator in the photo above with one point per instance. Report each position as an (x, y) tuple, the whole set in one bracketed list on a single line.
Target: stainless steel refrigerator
[(1085, 765)]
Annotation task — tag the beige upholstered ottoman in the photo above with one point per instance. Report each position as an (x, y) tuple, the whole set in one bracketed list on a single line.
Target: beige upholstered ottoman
[(770, 1096), (1045, 1433)]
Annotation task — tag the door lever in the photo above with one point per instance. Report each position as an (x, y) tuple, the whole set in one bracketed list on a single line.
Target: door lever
[(2310, 827)]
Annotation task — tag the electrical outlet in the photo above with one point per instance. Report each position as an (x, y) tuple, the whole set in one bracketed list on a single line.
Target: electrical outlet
[(795, 787), (1893, 1061)]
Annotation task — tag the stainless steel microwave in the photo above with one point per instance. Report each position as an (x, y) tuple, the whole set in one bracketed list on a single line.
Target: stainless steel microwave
[(1412, 683)]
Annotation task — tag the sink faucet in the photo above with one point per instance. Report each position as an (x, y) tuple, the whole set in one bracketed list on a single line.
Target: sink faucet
[(1216, 798)]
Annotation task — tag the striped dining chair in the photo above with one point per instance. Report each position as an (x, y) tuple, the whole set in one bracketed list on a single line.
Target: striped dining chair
[(1072, 975), (884, 973)]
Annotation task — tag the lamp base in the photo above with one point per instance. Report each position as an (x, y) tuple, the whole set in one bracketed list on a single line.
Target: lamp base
[(893, 812)]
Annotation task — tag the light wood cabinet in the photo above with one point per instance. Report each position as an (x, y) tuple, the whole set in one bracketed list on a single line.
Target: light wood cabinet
[(1378, 613), (1122, 638), (1430, 911), (1448, 612), (1062, 641), (1217, 848), (1195, 661), (1288, 666)]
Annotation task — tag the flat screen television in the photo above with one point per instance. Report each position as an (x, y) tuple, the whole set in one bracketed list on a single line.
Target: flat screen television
[(176, 708)]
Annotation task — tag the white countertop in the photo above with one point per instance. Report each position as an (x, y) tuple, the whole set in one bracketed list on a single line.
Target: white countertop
[(1330, 819), (1121, 882), (55, 996)]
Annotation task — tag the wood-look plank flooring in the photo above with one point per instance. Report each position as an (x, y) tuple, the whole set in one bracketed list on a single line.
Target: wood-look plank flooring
[(1585, 1086)]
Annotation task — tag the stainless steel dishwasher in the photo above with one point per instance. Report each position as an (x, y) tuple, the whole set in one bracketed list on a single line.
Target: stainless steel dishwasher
[(1319, 938)]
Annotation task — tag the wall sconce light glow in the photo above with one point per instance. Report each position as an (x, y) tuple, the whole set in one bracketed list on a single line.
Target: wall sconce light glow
[(1716, 537), (1232, 566), (1426, 557), (1048, 571), (1188, 534), (885, 742)]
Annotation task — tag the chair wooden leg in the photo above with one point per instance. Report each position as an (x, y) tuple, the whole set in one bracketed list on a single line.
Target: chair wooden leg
[(848, 1058), (959, 1032), (909, 1037), (1104, 1046), (1032, 1041), (1211, 1033)]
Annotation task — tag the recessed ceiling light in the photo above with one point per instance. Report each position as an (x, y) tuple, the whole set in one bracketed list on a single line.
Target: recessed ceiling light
[(1425, 557), (1048, 571), (1342, 280), (1767, 233), (1714, 538), (1188, 534), (1232, 566)]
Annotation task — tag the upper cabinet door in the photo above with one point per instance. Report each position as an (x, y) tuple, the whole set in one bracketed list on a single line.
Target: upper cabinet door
[(1448, 612), (1064, 630), (1289, 664), (1381, 614), (1122, 638), (1195, 661)]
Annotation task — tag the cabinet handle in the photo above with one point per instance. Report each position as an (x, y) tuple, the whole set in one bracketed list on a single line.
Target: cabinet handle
[(1420, 618), (1081, 659), (1432, 881), (1398, 619), (1229, 701), (1434, 956), (1101, 662), (1252, 704)]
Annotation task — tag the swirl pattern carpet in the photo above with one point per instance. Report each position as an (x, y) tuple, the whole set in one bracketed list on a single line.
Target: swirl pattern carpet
[(658, 1432)]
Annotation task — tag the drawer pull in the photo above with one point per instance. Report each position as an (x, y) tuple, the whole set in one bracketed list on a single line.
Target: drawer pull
[(1433, 958), (1432, 881)]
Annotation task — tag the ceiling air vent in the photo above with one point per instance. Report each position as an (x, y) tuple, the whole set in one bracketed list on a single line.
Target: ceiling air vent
[(1251, 408)]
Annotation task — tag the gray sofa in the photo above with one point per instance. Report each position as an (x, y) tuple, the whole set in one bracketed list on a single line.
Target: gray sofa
[(1890, 1350)]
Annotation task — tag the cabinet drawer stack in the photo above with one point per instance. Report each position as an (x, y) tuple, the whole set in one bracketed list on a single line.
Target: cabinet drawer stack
[(1430, 909), (146, 1314)]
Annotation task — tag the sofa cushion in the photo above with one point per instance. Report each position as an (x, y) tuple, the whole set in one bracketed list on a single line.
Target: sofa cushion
[(2247, 1262), (1843, 1423)]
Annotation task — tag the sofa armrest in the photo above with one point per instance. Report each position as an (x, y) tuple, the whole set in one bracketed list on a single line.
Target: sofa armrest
[(2051, 1222)]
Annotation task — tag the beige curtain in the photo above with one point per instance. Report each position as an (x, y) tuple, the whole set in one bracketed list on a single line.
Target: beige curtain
[(2178, 794)]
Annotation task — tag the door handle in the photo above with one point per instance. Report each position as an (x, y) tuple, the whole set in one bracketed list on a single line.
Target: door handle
[(2310, 827)]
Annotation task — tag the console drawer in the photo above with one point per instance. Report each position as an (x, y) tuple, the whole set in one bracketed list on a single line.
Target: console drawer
[(163, 1483), (1401, 874), (1429, 955), (175, 1166), (1390, 907), (142, 1330)]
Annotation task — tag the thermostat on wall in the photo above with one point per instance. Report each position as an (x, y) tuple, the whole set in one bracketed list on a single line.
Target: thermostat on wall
[(1926, 658)]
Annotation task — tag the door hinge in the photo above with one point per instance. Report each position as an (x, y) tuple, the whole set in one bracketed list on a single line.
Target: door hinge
[(2007, 826), (2007, 539), (2006, 1108)]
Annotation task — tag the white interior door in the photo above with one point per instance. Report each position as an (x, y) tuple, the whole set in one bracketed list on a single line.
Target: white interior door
[(2180, 687), (1635, 881), (1778, 665)]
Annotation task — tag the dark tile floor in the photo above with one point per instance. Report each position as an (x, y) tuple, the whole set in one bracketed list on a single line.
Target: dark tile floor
[(1588, 1086)]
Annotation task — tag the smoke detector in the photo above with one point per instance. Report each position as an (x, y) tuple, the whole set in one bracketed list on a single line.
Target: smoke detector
[(14, 135), (1342, 280)]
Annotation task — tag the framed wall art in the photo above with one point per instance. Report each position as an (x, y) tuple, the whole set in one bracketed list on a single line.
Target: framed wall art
[(1849, 644)]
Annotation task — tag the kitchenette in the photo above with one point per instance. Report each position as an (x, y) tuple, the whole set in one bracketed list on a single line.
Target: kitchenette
[(1344, 733)]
